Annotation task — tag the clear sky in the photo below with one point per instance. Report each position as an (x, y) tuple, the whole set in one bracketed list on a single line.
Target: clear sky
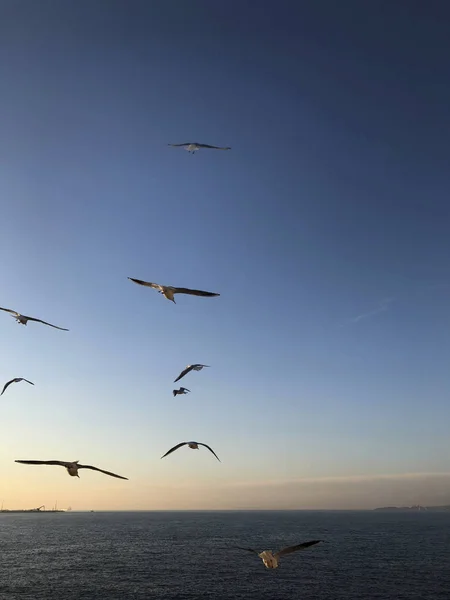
[(325, 230)]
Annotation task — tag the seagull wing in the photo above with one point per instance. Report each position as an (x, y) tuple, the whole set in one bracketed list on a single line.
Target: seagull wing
[(185, 144), (179, 290), (45, 323), (210, 449), (101, 471), (174, 448), (7, 384), (60, 463), (184, 389), (291, 549), (155, 286), (248, 549), (13, 312), (214, 147), (183, 373), (23, 379)]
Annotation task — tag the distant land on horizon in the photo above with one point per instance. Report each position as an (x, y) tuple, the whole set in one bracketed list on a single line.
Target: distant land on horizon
[(415, 508)]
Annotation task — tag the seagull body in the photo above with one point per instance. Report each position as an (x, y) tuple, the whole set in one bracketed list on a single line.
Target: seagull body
[(182, 390), (193, 446), (271, 560), (192, 147), (71, 467), (188, 369), (15, 380), (24, 319), (169, 291)]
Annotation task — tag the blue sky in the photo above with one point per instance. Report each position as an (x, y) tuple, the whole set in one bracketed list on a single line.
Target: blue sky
[(325, 230)]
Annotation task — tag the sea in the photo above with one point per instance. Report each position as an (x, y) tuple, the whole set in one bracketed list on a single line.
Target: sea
[(365, 555)]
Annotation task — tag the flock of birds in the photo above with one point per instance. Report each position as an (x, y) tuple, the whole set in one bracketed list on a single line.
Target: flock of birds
[(269, 558)]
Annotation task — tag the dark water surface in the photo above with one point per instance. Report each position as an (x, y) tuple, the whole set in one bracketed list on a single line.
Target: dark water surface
[(190, 556)]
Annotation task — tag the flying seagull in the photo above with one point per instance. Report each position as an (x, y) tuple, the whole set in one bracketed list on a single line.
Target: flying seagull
[(168, 291), (182, 390), (188, 369), (271, 560), (192, 147), (194, 446), (15, 380), (72, 467), (23, 319)]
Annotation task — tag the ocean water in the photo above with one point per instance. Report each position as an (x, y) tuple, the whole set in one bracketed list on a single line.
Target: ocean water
[(190, 556)]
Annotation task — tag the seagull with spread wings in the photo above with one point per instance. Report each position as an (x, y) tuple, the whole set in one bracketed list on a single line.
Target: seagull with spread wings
[(23, 319), (169, 291), (271, 560), (192, 147), (188, 369), (15, 380), (182, 390), (193, 445), (71, 467)]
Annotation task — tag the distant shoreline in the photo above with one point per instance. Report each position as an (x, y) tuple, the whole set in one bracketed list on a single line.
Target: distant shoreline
[(416, 508), (30, 510)]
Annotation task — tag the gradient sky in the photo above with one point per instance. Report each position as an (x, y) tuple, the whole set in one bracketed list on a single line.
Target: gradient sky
[(325, 229)]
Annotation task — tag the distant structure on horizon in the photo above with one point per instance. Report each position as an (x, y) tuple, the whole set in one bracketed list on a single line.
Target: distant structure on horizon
[(415, 508), (39, 509)]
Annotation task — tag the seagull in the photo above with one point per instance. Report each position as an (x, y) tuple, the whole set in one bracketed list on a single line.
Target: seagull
[(168, 291), (182, 390), (23, 319), (194, 446), (271, 560), (192, 147), (15, 380), (188, 369), (72, 467)]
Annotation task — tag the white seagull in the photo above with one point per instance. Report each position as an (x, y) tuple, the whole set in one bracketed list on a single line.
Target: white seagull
[(23, 319), (194, 446), (169, 291), (188, 369), (15, 380), (192, 147), (271, 560), (182, 390), (72, 467)]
